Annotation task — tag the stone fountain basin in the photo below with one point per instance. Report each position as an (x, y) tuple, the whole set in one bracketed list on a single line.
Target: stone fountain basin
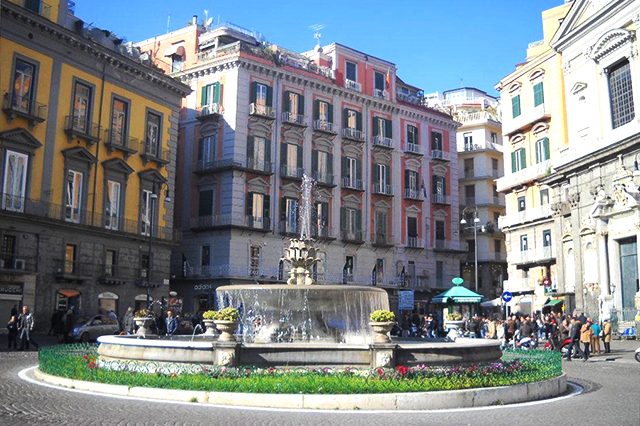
[(206, 351)]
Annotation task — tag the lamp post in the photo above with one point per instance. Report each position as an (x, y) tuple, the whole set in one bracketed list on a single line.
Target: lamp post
[(153, 197), (476, 220)]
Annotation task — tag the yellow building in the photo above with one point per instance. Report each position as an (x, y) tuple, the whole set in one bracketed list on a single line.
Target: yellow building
[(88, 144), (533, 127)]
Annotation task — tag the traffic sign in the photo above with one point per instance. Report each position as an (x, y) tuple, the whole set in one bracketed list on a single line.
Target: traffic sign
[(507, 296), (457, 280), (546, 282)]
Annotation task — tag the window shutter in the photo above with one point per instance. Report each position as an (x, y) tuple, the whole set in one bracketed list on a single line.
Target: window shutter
[(216, 96), (330, 165), (301, 105), (515, 106), (434, 142), (314, 161), (406, 180), (412, 228), (254, 91), (376, 175), (513, 162), (206, 203), (203, 99), (299, 157), (359, 169), (388, 129), (283, 154), (388, 175), (283, 209), (376, 129), (269, 96), (266, 209), (545, 143), (287, 101), (409, 135), (434, 184), (200, 149), (523, 158), (250, 147), (359, 220), (444, 186), (267, 151), (316, 109), (358, 120), (250, 204), (538, 94), (343, 218), (345, 117), (330, 113), (325, 213), (538, 158), (343, 166)]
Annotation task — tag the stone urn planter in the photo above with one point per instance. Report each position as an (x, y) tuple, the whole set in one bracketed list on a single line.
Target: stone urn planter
[(451, 324), (143, 325), (211, 327), (382, 330), (227, 328)]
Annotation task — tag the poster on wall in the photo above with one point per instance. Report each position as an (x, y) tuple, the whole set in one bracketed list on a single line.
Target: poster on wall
[(405, 300)]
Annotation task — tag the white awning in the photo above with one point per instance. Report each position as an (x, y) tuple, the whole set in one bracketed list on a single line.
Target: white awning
[(490, 303), (175, 49)]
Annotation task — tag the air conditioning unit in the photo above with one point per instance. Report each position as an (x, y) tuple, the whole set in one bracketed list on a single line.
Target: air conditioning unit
[(19, 263)]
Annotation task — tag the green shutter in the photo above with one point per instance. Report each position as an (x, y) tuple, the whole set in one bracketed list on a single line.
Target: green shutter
[(523, 158), (269, 96), (216, 96), (444, 186), (330, 165), (359, 169), (254, 91), (388, 129), (513, 162), (345, 117), (343, 171), (203, 100), (314, 161), (299, 148), (250, 204), (388, 176), (316, 109), (300, 104), (287, 101), (250, 147), (434, 185), (376, 175), (376, 128), (283, 154), (359, 220), (266, 210), (547, 153), (330, 113), (343, 218), (537, 153), (205, 207), (358, 120), (515, 106), (409, 135), (406, 180), (538, 94), (267, 151)]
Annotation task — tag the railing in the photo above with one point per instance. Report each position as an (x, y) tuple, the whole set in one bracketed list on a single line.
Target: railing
[(291, 172), (216, 163), (39, 7), (226, 220), (487, 256), (534, 255), (413, 99), (71, 7), (322, 231), (382, 240), (412, 194), (259, 165), (76, 127), (527, 117), (73, 268), (383, 189), (383, 142), (354, 134), (524, 175), (153, 151), (262, 110), (304, 64), (323, 126), (289, 117), (34, 112), (353, 85), (442, 244), (413, 242), (352, 183), (377, 93), (486, 145), (440, 199), (121, 142), (229, 49), (210, 109), (439, 154), (478, 116), (289, 227), (355, 236), (478, 174), (413, 148), (323, 177), (208, 271)]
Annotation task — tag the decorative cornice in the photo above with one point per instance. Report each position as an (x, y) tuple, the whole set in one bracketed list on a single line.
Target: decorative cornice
[(609, 42)]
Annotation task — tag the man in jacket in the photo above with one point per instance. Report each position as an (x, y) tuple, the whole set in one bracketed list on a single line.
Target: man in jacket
[(607, 331), (25, 328), (172, 323), (586, 333), (574, 335)]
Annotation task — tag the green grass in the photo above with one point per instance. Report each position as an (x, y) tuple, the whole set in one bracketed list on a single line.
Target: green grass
[(80, 362)]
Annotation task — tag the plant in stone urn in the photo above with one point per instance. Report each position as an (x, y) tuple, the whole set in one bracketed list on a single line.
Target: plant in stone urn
[(208, 318), (227, 321), (382, 321), (143, 319)]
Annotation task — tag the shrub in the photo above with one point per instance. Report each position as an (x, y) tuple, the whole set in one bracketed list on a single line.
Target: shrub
[(227, 314), (382, 315), (209, 315)]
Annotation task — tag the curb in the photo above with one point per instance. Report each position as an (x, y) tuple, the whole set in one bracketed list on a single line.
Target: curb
[(439, 400)]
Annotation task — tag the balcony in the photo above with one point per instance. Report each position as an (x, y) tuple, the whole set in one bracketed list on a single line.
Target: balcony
[(440, 199), (481, 174), (323, 178), (353, 134), (119, 142), (354, 236), (533, 256), (209, 111), (322, 232), (14, 106), (482, 146), (215, 164), (414, 242), (412, 194), (16, 264), (412, 148), (290, 228), (353, 85), (412, 99), (523, 176), (483, 201), (222, 271), (76, 127), (324, 126), (382, 240), (259, 166), (291, 172), (39, 7), (246, 164), (442, 244), (258, 223), (300, 62), (382, 94), (154, 152), (229, 221), (382, 189), (528, 117), (490, 256), (112, 274), (438, 154), (295, 119), (382, 142), (352, 183), (73, 270), (527, 215), (262, 111), (477, 117)]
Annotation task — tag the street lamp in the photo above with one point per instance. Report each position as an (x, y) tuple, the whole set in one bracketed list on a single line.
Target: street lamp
[(154, 197), (476, 220)]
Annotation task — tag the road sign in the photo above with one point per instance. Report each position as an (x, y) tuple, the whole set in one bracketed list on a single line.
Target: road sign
[(507, 296), (457, 280), (406, 300), (546, 282)]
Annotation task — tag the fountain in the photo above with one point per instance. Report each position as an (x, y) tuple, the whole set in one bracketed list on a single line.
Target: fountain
[(300, 323)]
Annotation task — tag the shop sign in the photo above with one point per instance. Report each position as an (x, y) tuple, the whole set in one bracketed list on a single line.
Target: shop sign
[(10, 288)]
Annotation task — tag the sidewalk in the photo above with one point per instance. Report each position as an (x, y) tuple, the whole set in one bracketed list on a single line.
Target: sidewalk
[(42, 339)]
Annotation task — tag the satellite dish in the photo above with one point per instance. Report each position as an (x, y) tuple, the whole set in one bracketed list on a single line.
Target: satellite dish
[(208, 22)]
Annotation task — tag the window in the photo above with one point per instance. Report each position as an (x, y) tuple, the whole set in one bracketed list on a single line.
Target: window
[(112, 207), (110, 263), (8, 250), (15, 181), (544, 197), (438, 189), (621, 94), (521, 204), (412, 231), (254, 261), (320, 268), (145, 213), (470, 194), (205, 203), (497, 247), (351, 222), (538, 94), (436, 141), (379, 126), (321, 165), (258, 209), (23, 85), (378, 78), (70, 259), (496, 217), (293, 162), (144, 265), (351, 71), (468, 167), (258, 153), (471, 246), (515, 106), (153, 135), (74, 196), (411, 181), (261, 94), (380, 176), (324, 112), (322, 219), (207, 151), (494, 165), (381, 222), (294, 103), (348, 269), (524, 243), (494, 137), (542, 150), (468, 141), (81, 105), (351, 171), (290, 215), (495, 191), (205, 255), (352, 119), (379, 271), (546, 238), (440, 230), (210, 94), (118, 122), (412, 135), (177, 63), (411, 273), (518, 161), (440, 272)]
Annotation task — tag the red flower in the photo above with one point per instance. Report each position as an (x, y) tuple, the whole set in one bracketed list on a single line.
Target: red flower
[(402, 369), (380, 372)]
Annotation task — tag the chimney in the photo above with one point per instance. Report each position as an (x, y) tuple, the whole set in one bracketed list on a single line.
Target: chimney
[(194, 21)]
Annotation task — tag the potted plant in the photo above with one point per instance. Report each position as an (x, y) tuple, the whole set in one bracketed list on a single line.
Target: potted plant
[(382, 321), (208, 318), (227, 321), (143, 319)]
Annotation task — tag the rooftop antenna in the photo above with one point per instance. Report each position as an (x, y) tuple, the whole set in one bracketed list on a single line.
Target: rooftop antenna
[(316, 32), (168, 22)]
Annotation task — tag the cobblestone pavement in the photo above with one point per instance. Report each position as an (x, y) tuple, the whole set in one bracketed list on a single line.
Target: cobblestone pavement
[(611, 397)]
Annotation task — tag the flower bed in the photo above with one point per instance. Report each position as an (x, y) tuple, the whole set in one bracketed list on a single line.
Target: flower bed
[(80, 362)]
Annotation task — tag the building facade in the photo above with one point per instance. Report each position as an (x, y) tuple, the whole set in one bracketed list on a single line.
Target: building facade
[(259, 118), (533, 127), (596, 216), (88, 140)]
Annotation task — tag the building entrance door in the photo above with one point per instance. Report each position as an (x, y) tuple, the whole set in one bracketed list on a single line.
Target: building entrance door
[(628, 271)]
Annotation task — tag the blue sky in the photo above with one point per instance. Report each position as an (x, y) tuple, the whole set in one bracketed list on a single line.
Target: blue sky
[(437, 45)]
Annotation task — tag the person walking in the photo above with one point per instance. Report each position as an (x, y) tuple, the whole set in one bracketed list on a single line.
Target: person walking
[(172, 324), (607, 331), (595, 339), (12, 337), (586, 333), (25, 328), (574, 335), (491, 329), (69, 321)]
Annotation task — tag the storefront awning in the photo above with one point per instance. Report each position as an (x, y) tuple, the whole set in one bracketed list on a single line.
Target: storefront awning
[(489, 303), (69, 293), (555, 302), (458, 294)]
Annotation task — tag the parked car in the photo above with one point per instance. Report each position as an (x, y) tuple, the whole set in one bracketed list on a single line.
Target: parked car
[(87, 329)]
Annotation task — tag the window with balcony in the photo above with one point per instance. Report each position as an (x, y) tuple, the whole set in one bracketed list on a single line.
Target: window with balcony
[(352, 172), (469, 168), (110, 262), (207, 151), (112, 206), (542, 150), (323, 115), (15, 181), (470, 195), (290, 215), (381, 178), (254, 261), (73, 204), (378, 82), (544, 197), (546, 238), (23, 95), (152, 147), (440, 231), (291, 159), (352, 71), (411, 184), (518, 160), (322, 219), (293, 106), (436, 143), (621, 94), (522, 205), (538, 94), (70, 259), (351, 222), (205, 256), (210, 99), (494, 137), (381, 219), (412, 231), (495, 167), (524, 243), (206, 203), (438, 189), (258, 210), (468, 141), (382, 128), (515, 106), (145, 212), (353, 119), (413, 140), (119, 119), (81, 120), (258, 153), (322, 166)]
